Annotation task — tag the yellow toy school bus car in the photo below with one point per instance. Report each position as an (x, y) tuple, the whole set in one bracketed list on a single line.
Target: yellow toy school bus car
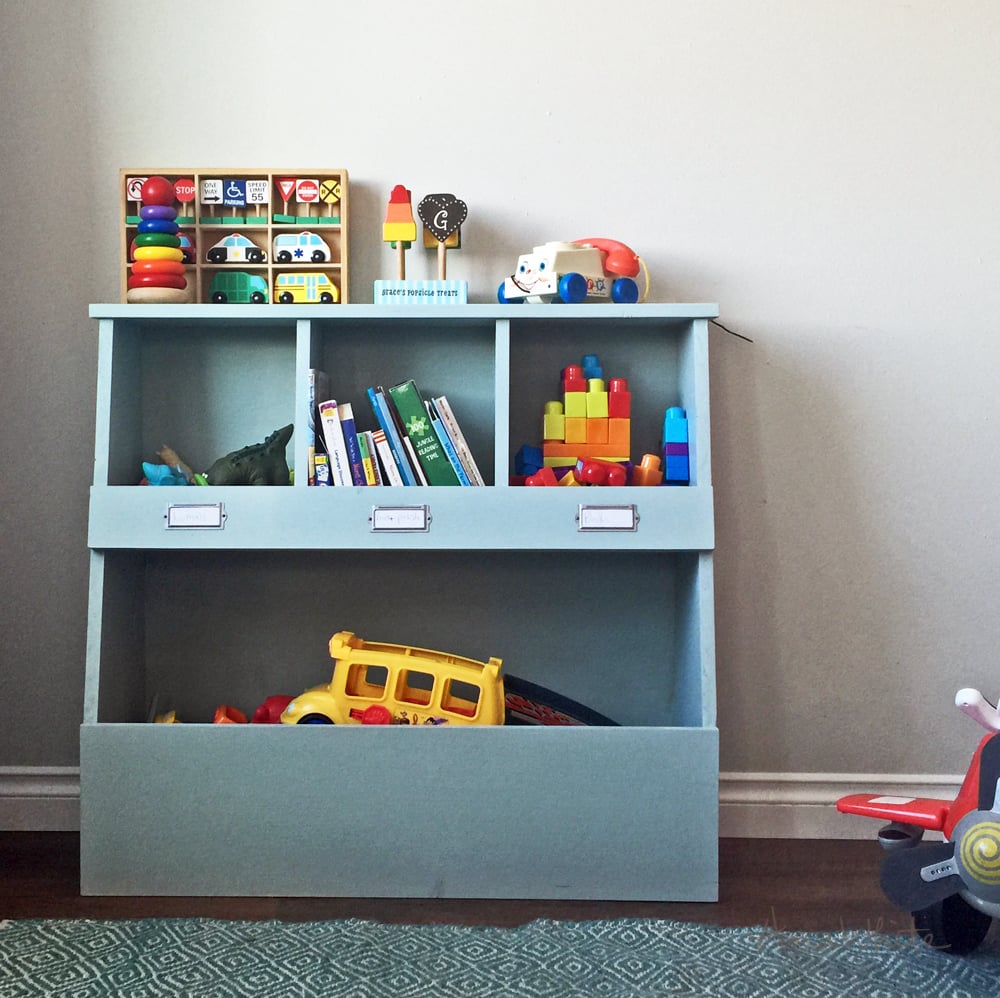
[(398, 684)]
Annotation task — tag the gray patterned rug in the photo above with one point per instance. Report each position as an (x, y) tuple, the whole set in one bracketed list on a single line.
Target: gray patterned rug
[(190, 958)]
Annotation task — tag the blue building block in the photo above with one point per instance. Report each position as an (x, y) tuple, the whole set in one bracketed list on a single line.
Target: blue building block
[(592, 366), (676, 459), (528, 460)]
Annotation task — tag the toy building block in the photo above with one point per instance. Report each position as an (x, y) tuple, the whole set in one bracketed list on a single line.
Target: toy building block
[(597, 399), (591, 471), (576, 429), (575, 404), (568, 478), (619, 399), (573, 379), (597, 431), (675, 447), (648, 471), (528, 460), (620, 435), (591, 366), (543, 477), (553, 422)]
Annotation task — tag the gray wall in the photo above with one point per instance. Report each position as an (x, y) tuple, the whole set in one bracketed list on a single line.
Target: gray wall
[(826, 171)]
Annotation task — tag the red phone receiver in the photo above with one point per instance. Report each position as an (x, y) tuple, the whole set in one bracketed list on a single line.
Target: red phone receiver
[(618, 258)]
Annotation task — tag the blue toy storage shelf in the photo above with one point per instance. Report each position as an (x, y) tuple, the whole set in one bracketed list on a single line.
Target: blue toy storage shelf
[(187, 619)]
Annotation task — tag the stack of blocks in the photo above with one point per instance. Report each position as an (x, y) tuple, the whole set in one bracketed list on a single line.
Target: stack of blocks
[(592, 420), (677, 463)]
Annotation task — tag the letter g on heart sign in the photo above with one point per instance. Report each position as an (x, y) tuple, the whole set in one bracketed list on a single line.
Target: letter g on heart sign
[(442, 214)]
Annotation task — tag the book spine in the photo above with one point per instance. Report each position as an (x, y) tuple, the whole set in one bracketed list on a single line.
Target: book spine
[(333, 434), (366, 458), (385, 420), (318, 388), (419, 471), (357, 469), (430, 454), (447, 445), (322, 469), (384, 452), (447, 415)]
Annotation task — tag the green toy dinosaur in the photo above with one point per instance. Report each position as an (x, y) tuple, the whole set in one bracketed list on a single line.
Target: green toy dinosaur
[(257, 464)]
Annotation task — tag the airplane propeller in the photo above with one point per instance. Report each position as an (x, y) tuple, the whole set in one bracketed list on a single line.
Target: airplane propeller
[(927, 873)]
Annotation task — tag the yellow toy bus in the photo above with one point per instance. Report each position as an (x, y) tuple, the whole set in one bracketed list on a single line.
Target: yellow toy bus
[(377, 683), (305, 288)]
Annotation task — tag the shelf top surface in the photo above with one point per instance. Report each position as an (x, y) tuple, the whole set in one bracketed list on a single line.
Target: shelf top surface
[(484, 312)]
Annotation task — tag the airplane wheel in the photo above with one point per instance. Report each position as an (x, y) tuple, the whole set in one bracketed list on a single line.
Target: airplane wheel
[(952, 925)]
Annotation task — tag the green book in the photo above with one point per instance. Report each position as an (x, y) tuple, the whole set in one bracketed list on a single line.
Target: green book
[(417, 424)]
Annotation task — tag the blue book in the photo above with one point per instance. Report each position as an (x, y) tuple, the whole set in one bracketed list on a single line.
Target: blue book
[(385, 421), (446, 443), (346, 413)]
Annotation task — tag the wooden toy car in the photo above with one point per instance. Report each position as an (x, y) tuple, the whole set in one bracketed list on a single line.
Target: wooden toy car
[(238, 287), (573, 272), (301, 247), (235, 249), (952, 887), (377, 683)]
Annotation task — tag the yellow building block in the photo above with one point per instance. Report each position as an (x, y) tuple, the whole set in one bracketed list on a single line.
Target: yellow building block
[(553, 422), (597, 399), (597, 431), (576, 429), (575, 404)]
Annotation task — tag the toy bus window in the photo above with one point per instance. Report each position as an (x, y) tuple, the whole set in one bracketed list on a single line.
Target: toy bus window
[(415, 687), (461, 698), (365, 680)]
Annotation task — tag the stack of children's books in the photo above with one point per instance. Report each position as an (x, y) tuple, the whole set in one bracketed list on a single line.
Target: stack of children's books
[(417, 442)]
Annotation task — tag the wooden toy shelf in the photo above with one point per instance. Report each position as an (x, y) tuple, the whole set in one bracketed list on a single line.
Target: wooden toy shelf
[(314, 231), (622, 621)]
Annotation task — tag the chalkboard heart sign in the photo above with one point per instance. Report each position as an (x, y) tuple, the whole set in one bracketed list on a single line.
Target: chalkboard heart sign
[(442, 214)]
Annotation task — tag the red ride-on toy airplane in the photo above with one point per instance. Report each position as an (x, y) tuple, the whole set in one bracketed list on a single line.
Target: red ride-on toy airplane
[(952, 888)]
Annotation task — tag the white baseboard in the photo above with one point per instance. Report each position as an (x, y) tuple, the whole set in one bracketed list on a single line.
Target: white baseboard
[(803, 805), (39, 798), (751, 805)]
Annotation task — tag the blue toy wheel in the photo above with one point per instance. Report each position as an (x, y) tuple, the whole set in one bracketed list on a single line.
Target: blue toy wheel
[(625, 291), (315, 719), (573, 288), (503, 299)]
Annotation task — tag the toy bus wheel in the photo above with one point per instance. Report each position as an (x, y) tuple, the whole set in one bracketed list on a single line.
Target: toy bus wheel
[(314, 719), (952, 925), (284, 257), (258, 298), (286, 298), (625, 291), (573, 288), (318, 256), (219, 297), (326, 298)]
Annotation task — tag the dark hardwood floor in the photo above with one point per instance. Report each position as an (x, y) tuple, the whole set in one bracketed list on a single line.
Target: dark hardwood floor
[(793, 885)]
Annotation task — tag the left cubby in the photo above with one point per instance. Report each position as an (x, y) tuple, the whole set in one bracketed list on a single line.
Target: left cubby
[(235, 236)]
